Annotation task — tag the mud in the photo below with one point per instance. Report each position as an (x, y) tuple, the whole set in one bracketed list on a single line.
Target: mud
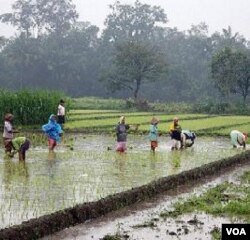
[(143, 221), (49, 224)]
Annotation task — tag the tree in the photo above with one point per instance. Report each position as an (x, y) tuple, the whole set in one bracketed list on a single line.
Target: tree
[(22, 16), (39, 16), (138, 22), (134, 64), (242, 75), (231, 72), (57, 15), (227, 39), (188, 56)]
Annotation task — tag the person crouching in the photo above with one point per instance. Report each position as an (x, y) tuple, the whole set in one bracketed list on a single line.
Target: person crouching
[(20, 145)]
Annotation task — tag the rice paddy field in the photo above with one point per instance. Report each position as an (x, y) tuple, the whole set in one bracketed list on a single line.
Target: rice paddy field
[(85, 166), (202, 124)]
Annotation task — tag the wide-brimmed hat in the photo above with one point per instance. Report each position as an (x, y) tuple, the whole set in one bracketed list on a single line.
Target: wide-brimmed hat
[(154, 120)]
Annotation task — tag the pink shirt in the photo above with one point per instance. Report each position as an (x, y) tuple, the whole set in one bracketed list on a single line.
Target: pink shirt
[(7, 130)]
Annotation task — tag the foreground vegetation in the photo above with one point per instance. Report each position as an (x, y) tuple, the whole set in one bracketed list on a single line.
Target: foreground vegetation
[(228, 199), (231, 200)]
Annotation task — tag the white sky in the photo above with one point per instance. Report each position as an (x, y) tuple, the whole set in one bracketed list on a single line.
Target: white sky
[(182, 14)]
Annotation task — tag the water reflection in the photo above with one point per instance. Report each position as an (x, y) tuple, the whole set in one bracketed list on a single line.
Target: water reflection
[(50, 181), (51, 163), (154, 157), (120, 161), (51, 156), (15, 171)]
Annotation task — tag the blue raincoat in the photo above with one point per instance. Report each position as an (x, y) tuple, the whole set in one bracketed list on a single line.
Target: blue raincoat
[(53, 129)]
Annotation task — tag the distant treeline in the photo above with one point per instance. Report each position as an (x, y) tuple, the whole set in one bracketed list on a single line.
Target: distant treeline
[(58, 53)]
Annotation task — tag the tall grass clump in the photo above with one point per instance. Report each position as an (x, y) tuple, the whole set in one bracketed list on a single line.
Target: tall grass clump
[(29, 107)]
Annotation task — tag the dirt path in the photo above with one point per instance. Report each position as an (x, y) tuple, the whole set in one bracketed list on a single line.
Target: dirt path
[(142, 221)]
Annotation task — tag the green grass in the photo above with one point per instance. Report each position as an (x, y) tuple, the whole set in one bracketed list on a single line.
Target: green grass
[(202, 124), (114, 114), (109, 120), (216, 234), (227, 199)]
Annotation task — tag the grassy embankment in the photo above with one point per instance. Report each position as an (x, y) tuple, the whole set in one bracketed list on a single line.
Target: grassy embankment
[(230, 200)]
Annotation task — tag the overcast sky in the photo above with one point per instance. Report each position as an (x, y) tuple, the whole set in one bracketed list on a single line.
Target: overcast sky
[(182, 14)]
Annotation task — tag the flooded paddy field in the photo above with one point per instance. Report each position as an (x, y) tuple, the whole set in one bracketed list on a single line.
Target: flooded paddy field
[(85, 170), (146, 220)]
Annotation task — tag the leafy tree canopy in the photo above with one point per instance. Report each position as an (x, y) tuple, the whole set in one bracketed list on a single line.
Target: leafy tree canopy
[(41, 16), (231, 72), (138, 22), (134, 64)]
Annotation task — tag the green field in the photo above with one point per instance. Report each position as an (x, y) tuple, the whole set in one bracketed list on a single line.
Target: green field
[(202, 124)]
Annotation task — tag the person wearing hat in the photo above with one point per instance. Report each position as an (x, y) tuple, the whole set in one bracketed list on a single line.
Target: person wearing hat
[(187, 138), (238, 138), (8, 132), (153, 133), (121, 135), (175, 133)]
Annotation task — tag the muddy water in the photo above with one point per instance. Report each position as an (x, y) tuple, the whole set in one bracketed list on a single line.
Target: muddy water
[(85, 170), (129, 221)]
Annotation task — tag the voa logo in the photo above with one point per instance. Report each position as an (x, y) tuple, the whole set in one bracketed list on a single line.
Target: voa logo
[(236, 231)]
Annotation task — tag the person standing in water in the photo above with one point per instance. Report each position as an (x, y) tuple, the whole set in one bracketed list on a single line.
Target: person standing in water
[(175, 133), (54, 132), (153, 133), (121, 135)]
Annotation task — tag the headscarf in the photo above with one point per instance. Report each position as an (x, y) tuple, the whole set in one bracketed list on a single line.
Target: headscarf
[(176, 119), (122, 119)]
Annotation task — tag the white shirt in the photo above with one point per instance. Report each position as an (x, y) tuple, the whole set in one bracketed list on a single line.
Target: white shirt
[(60, 110), (7, 130)]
